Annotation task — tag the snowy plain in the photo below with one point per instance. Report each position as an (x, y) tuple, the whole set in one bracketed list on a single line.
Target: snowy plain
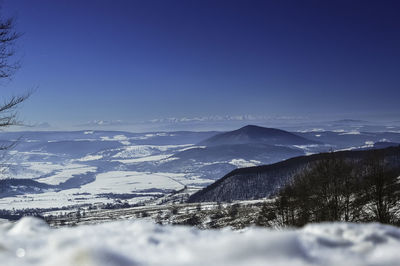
[(121, 243), (86, 167)]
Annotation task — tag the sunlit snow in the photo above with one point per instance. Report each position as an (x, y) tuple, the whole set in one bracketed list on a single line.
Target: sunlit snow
[(31, 242)]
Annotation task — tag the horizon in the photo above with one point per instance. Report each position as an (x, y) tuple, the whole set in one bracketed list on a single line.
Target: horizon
[(135, 61), (220, 124)]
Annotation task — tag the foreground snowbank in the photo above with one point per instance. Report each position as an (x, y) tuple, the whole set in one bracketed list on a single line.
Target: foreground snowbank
[(31, 242)]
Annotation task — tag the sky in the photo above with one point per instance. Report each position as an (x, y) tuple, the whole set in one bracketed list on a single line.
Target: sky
[(142, 60)]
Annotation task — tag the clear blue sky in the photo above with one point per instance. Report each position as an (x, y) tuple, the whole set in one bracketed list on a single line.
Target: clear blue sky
[(139, 60)]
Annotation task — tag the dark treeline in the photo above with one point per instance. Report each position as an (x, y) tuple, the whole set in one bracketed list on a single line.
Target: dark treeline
[(337, 189)]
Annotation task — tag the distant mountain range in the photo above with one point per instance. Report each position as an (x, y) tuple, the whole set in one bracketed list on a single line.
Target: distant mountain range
[(90, 160), (341, 139), (262, 181), (382, 145), (351, 121)]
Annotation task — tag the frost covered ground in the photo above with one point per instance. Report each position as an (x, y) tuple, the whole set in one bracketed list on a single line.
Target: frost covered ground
[(31, 242)]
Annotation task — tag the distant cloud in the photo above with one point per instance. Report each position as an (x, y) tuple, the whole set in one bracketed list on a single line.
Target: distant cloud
[(212, 122), (218, 118), (103, 123)]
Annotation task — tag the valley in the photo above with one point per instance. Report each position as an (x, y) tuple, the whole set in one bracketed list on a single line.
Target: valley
[(70, 170)]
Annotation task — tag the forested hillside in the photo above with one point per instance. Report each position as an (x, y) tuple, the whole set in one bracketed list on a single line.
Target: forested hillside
[(265, 181)]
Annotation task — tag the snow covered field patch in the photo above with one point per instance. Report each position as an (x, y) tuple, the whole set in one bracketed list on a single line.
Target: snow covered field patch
[(130, 181), (244, 163), (66, 172)]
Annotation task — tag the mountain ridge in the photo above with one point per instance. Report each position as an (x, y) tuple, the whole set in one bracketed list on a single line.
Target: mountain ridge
[(251, 134), (262, 181)]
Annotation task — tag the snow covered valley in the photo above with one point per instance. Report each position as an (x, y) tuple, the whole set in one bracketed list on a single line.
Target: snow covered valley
[(30, 241), (46, 170), (66, 170)]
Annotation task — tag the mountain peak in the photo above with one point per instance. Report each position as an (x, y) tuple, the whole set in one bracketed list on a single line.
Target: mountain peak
[(251, 127), (256, 134)]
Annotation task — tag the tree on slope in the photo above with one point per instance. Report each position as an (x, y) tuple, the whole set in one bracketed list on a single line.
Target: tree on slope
[(381, 188)]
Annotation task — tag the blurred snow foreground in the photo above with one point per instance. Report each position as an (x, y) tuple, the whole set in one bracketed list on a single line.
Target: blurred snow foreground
[(31, 242)]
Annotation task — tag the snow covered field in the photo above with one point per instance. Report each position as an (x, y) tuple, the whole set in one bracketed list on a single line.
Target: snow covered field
[(86, 167), (31, 242)]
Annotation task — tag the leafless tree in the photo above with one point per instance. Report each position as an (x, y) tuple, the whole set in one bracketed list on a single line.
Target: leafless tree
[(381, 188), (8, 66)]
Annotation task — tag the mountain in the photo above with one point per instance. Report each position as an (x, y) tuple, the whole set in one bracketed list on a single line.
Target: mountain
[(350, 121), (255, 134), (247, 146), (259, 152), (262, 181), (384, 144), (379, 145), (351, 139), (215, 161)]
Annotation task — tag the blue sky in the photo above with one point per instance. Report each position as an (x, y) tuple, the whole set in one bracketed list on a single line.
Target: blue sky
[(140, 60)]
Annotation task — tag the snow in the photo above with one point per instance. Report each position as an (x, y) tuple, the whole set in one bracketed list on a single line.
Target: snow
[(144, 159), (105, 168), (31, 242), (106, 182), (136, 151), (66, 172), (34, 169), (193, 147), (122, 182), (114, 138), (90, 158), (49, 199), (149, 136), (130, 181), (53, 173), (311, 130), (244, 163), (354, 132)]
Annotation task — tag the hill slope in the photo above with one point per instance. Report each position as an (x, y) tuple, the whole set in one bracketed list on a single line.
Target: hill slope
[(262, 181)]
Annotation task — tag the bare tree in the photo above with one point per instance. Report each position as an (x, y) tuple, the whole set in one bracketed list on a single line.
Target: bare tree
[(8, 67), (381, 188)]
